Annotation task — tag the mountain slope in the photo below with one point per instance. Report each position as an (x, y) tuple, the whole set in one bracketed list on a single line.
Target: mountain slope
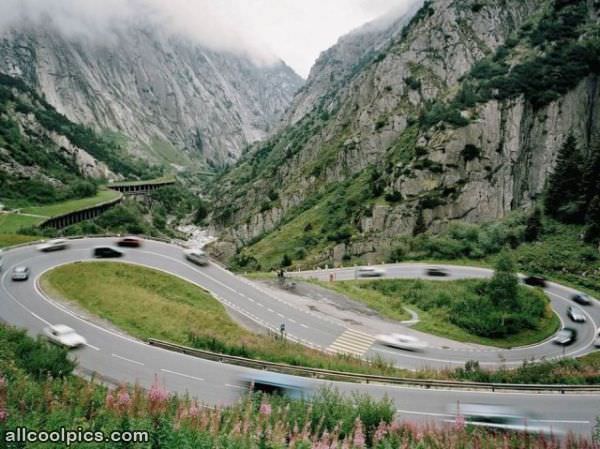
[(460, 118), (162, 93), (44, 157)]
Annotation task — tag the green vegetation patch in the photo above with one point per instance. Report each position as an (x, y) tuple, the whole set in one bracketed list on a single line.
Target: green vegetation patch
[(148, 303), (459, 310), (15, 239), (11, 223), (66, 207)]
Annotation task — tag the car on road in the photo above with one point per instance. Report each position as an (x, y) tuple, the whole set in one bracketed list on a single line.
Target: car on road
[(565, 336), (535, 281), (369, 272), (64, 336), (597, 340), (196, 256), (106, 252), (400, 341), (582, 298), (436, 271), (576, 314), (501, 417), (0, 260), (276, 383), (130, 242), (20, 273), (53, 245)]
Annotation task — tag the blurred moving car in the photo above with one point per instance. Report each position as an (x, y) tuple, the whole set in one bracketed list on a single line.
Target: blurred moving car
[(20, 273), (130, 242), (565, 336), (597, 340), (64, 336), (500, 417), (105, 252), (576, 315), (582, 298), (400, 341), (196, 256), (535, 281), (276, 383), (53, 245), (437, 271), (369, 272)]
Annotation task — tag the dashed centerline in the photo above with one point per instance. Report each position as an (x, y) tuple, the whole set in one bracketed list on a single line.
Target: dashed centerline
[(127, 360), (182, 375)]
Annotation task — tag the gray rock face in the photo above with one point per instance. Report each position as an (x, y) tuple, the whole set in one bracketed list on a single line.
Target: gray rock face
[(369, 111), (163, 93)]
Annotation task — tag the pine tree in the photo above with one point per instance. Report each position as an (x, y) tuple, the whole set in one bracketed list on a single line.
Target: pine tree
[(503, 287), (592, 230), (590, 182), (564, 195), (534, 226)]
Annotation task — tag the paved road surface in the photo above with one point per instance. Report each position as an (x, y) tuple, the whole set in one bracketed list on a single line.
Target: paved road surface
[(123, 358)]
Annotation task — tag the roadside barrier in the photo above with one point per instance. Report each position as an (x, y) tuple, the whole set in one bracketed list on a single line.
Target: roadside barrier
[(368, 378)]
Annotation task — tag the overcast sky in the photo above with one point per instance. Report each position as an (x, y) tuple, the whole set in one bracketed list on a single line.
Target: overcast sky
[(293, 30)]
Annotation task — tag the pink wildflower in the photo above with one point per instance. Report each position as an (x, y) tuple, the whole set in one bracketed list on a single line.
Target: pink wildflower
[(123, 398), (194, 410), (359, 439), (381, 432), (3, 415), (265, 409)]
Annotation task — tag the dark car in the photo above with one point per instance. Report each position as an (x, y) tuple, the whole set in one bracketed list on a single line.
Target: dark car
[(535, 281), (435, 271), (565, 337), (130, 241), (105, 252), (582, 298)]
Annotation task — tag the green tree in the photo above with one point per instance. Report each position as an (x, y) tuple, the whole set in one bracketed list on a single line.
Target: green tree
[(592, 230), (286, 261), (534, 226), (503, 287), (564, 195)]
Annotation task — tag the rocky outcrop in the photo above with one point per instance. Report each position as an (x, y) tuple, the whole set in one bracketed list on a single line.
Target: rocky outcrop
[(359, 122), (163, 94)]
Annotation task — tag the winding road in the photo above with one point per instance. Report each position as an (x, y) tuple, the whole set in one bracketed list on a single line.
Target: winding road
[(121, 358)]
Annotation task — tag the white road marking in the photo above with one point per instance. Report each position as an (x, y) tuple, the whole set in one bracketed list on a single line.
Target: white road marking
[(271, 310), (291, 320), (239, 387), (304, 325), (127, 360), (281, 315), (182, 375), (96, 348)]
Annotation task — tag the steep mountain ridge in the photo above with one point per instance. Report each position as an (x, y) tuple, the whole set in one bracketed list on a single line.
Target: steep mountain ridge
[(336, 65), (44, 156), (460, 118), (170, 99)]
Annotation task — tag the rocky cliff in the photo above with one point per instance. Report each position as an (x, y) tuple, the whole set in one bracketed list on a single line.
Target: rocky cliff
[(460, 117), (170, 99)]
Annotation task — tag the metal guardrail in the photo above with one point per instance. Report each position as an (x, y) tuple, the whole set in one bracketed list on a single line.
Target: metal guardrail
[(368, 378)]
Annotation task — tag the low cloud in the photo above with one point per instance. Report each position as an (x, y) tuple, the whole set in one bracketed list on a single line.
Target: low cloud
[(266, 30)]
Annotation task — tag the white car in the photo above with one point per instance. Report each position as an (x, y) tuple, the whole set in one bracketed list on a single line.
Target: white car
[(400, 341), (64, 336), (369, 272), (576, 314), (53, 245), (597, 340), (196, 256)]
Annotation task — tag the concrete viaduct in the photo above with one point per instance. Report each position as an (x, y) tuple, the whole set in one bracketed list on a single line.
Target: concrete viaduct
[(125, 188)]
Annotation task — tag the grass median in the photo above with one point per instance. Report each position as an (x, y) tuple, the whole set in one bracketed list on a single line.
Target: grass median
[(148, 303), (434, 302)]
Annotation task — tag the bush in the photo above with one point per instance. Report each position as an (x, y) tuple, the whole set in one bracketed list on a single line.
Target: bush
[(37, 357)]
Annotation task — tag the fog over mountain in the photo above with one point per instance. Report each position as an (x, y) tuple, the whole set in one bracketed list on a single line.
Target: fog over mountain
[(265, 30)]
